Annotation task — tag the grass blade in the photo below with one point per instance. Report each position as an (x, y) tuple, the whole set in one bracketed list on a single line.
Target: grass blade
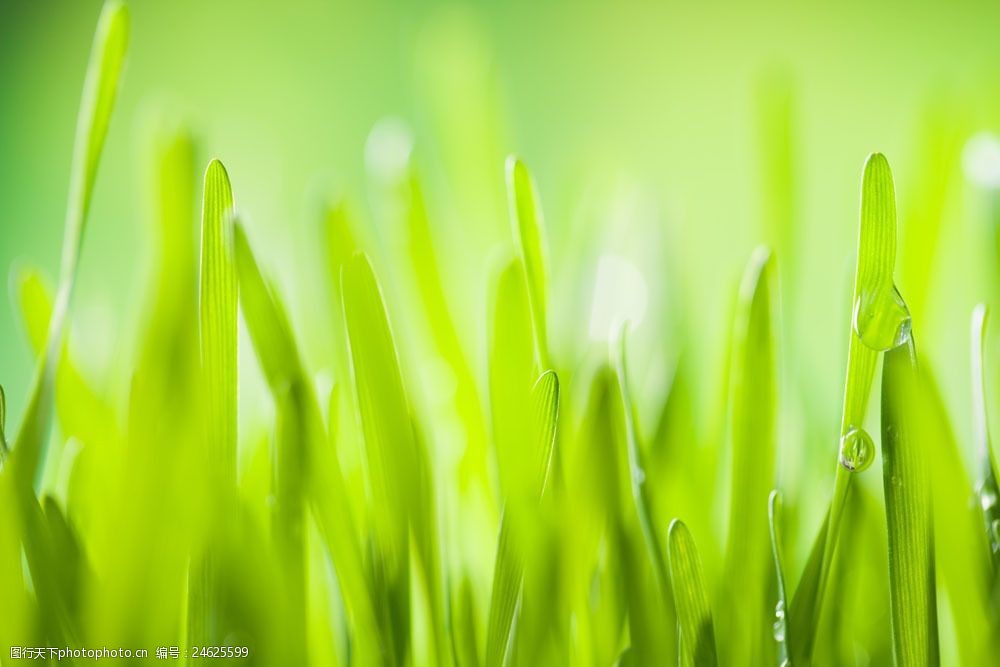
[(908, 514), (511, 366), (513, 540), (880, 321), (398, 463), (782, 632), (526, 216), (693, 613), (637, 474), (960, 544), (754, 434), (218, 324), (989, 494), (107, 57)]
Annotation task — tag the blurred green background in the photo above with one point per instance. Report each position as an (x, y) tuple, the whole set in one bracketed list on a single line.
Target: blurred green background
[(647, 126)]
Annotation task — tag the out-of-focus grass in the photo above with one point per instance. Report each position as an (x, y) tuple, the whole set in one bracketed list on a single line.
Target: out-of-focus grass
[(420, 501)]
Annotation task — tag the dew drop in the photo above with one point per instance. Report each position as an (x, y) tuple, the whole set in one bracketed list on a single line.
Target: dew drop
[(987, 499), (779, 623), (857, 451), (882, 320)]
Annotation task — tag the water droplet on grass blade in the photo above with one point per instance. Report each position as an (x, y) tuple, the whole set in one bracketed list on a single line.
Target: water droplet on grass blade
[(882, 320), (857, 451), (779, 623)]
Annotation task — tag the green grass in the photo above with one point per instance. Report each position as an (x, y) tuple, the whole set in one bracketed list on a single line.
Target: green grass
[(533, 502)]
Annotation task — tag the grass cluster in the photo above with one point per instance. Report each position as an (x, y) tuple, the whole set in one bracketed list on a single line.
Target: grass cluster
[(567, 526)]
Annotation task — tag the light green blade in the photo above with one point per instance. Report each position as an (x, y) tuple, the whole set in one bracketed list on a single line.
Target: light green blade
[(989, 495), (688, 584), (526, 216), (637, 474), (782, 631), (513, 541), (754, 434), (880, 321), (908, 514), (444, 333), (508, 573), (389, 442), (511, 370), (961, 546), (99, 91), (218, 325)]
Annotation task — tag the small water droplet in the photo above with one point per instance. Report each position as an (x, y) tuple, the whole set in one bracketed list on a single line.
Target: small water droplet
[(882, 320), (988, 499), (779, 623), (857, 451)]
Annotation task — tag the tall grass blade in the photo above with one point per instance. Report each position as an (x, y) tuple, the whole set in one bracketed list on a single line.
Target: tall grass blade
[(637, 474), (880, 321), (754, 434), (218, 325), (989, 494), (908, 514), (397, 464), (961, 546), (526, 216), (512, 543), (511, 366), (782, 625), (100, 87), (694, 616)]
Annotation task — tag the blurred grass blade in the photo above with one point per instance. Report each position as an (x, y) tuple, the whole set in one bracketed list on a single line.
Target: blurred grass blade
[(782, 631), (693, 613), (508, 573), (218, 325), (99, 91), (544, 417), (526, 216), (908, 515), (512, 544), (442, 326), (961, 550), (754, 433), (511, 364), (81, 411), (989, 494), (397, 465), (637, 474)]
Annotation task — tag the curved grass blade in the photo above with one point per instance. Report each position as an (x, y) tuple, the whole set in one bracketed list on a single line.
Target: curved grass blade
[(511, 370), (989, 494), (908, 514), (442, 325), (512, 543), (880, 321), (754, 433), (782, 631), (694, 616), (637, 474), (81, 411), (526, 216), (107, 57), (397, 462), (218, 324)]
